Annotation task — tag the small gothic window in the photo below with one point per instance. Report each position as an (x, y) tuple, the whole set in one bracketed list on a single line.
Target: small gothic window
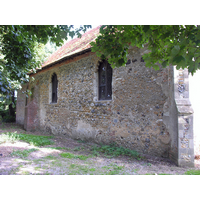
[(105, 81), (54, 88)]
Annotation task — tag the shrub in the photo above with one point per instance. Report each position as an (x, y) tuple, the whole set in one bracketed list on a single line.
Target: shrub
[(8, 118)]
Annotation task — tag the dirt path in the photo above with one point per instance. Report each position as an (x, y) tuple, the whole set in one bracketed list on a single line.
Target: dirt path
[(68, 156)]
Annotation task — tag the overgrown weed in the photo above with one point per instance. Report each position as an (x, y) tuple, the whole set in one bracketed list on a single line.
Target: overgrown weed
[(113, 150), (78, 148), (116, 169), (192, 172), (9, 137), (50, 157), (76, 169), (59, 148), (81, 141), (23, 153), (70, 155)]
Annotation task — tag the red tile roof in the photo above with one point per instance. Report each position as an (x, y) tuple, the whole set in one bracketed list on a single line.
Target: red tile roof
[(74, 46)]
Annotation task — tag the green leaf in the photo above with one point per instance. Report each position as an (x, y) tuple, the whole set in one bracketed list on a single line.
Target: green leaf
[(121, 62), (19, 74), (191, 69), (146, 28), (164, 64), (3, 89), (175, 50), (179, 59), (71, 34), (156, 67)]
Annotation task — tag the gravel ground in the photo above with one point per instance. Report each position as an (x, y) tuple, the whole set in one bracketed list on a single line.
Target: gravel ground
[(46, 160)]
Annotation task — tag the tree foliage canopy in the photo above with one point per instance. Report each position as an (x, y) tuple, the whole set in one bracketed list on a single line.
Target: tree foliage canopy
[(20, 47), (167, 44)]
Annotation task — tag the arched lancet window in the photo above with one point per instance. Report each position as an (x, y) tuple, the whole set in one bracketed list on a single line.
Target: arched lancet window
[(105, 81), (54, 88)]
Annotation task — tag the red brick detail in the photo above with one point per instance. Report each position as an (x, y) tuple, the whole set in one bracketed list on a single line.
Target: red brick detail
[(31, 122)]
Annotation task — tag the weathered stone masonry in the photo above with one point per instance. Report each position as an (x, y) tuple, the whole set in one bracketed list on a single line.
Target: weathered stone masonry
[(139, 116), (185, 119)]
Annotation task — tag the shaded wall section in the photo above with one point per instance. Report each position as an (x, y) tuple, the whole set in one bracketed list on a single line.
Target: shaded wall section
[(20, 106), (31, 118)]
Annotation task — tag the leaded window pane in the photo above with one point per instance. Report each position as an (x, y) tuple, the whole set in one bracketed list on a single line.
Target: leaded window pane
[(105, 81), (102, 92), (103, 75), (54, 88), (109, 82)]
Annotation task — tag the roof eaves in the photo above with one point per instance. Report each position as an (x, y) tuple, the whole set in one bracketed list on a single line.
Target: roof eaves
[(69, 56)]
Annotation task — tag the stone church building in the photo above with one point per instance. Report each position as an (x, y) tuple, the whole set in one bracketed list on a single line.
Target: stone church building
[(77, 94)]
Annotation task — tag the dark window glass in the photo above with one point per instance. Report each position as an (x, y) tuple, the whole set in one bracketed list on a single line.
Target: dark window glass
[(105, 81), (54, 88)]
